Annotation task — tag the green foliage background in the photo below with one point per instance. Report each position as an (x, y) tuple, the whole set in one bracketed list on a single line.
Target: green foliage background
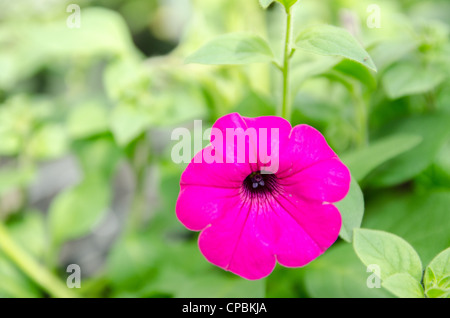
[(86, 116)]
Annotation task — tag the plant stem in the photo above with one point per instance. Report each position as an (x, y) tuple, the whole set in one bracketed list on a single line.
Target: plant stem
[(361, 116), (139, 161), (286, 105), (32, 268)]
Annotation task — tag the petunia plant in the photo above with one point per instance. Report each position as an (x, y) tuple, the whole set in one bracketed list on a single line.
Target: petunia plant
[(255, 209), (250, 213)]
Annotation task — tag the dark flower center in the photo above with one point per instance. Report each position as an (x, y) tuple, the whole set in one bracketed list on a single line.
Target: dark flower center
[(257, 184)]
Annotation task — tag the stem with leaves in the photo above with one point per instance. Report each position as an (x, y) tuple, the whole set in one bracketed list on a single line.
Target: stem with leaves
[(286, 104)]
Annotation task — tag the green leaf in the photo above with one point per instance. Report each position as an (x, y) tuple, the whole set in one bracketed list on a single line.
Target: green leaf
[(429, 280), (130, 262), (233, 49), (423, 220), (339, 274), (355, 70), (98, 156), (391, 253), (402, 79), (352, 211), (48, 142), (287, 3), (87, 119), (437, 273), (128, 122), (254, 105), (361, 162), (265, 3), (434, 130), (77, 210), (387, 52), (333, 41), (445, 282), (404, 285), (29, 230), (437, 293)]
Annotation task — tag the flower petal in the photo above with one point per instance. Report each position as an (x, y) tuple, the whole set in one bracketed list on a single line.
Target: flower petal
[(306, 146), (241, 242), (238, 143), (198, 206), (273, 137), (308, 230), (215, 174), (256, 141), (325, 181)]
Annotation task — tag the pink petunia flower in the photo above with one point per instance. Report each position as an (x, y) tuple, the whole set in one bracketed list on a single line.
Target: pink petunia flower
[(253, 213)]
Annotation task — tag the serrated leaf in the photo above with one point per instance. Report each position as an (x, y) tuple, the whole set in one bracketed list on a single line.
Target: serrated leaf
[(445, 282), (404, 286), (333, 41), (352, 211), (233, 49), (391, 253), (362, 162), (429, 279), (440, 269)]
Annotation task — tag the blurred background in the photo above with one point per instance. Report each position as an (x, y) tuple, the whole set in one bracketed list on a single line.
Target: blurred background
[(86, 115)]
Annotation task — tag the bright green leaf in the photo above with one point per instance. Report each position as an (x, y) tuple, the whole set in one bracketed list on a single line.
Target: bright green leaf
[(128, 122), (437, 273), (333, 41), (403, 285), (233, 49), (429, 280), (98, 156), (361, 162), (355, 70), (87, 119), (29, 231), (130, 262), (393, 254), (437, 293), (48, 142), (78, 210), (445, 282), (352, 211), (287, 3)]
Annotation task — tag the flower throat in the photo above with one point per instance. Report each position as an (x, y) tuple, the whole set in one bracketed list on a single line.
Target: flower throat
[(257, 183)]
